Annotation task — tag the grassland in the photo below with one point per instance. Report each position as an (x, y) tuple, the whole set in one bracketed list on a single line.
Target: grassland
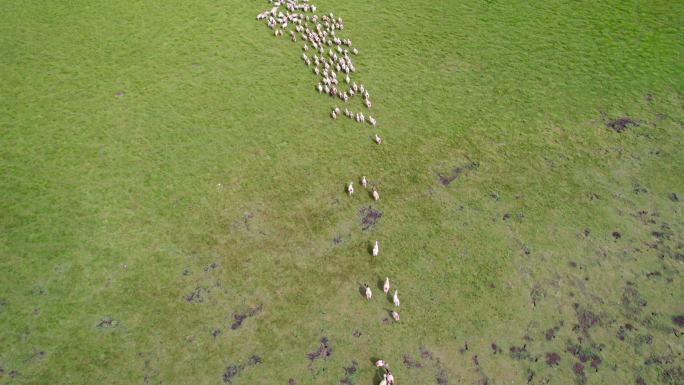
[(123, 261)]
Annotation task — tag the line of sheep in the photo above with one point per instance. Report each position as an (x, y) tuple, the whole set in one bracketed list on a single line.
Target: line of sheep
[(319, 33)]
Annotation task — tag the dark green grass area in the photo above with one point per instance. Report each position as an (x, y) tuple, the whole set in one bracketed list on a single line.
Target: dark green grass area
[(173, 211)]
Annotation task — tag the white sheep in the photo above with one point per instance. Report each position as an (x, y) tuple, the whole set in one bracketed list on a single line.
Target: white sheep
[(395, 315), (334, 115), (364, 182), (380, 363), (369, 293), (375, 249), (386, 286), (378, 139), (350, 188), (395, 298), (390, 377), (376, 195)]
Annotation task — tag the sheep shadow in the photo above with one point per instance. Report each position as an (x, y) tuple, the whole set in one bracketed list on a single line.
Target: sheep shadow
[(362, 291), (370, 248), (381, 283)]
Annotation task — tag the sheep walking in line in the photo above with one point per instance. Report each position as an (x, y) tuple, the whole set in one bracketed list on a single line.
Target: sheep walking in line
[(350, 187), (375, 249), (369, 293), (386, 286), (395, 298), (364, 182), (376, 195)]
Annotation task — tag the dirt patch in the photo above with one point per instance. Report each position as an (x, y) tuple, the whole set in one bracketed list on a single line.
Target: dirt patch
[(446, 178), (639, 381), (632, 303), (621, 124), (119, 94), (107, 322), (410, 363), (581, 378), (617, 235), (653, 274), (337, 240), (672, 375), (210, 267), (197, 295), (496, 348), (369, 217), (519, 352), (357, 333), (476, 361), (291, 381), (552, 358), (424, 353), (230, 373), (537, 293), (324, 351), (215, 333), (673, 197), (442, 378), (239, 318), (639, 189), (254, 360), (678, 320), (13, 373), (349, 371)]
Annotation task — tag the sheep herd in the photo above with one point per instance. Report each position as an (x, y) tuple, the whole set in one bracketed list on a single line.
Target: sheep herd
[(330, 57)]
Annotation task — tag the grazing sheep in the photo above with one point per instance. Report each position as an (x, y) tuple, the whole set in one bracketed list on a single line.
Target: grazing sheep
[(320, 87), (380, 363), (368, 103), (364, 182), (384, 380), (395, 298), (315, 70), (350, 188), (376, 195), (390, 377), (369, 293), (372, 120), (355, 51), (306, 48), (386, 286), (362, 89), (346, 79), (375, 249), (333, 115), (378, 139), (395, 315), (337, 110)]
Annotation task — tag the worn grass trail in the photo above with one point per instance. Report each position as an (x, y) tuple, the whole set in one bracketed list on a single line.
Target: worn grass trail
[(119, 119)]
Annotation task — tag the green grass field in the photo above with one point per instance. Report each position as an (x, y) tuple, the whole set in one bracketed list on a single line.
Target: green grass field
[(168, 166)]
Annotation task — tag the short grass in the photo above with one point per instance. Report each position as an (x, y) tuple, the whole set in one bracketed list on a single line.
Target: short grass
[(119, 120)]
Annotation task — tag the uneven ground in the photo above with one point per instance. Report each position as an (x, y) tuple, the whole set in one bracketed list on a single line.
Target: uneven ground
[(531, 180)]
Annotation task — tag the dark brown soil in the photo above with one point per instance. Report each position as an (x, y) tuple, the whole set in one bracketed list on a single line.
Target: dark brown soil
[(446, 178), (496, 348), (639, 189), (357, 333), (673, 197), (291, 381), (210, 267), (410, 363), (254, 360), (324, 351), (639, 381), (230, 373), (425, 354), (519, 352), (107, 322), (119, 94), (215, 333), (239, 318), (678, 320), (369, 217), (337, 240), (442, 378), (617, 235), (621, 124), (552, 358), (348, 372), (197, 295)]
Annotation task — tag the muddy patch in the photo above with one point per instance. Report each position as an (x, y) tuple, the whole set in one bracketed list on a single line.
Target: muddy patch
[(411, 363), (441, 377), (519, 352), (580, 377), (621, 124), (674, 197), (496, 348), (617, 235), (552, 359), (586, 353), (197, 295), (678, 320), (369, 217), (537, 293), (254, 360), (239, 318), (210, 267), (230, 373), (291, 381), (215, 333), (119, 94), (448, 177), (337, 240), (349, 372), (107, 322), (357, 333), (632, 303), (323, 352)]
